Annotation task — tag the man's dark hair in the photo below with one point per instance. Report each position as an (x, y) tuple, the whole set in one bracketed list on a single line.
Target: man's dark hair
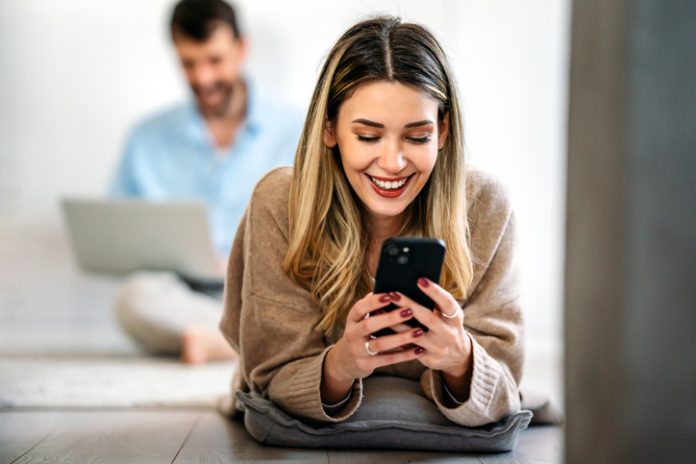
[(197, 19)]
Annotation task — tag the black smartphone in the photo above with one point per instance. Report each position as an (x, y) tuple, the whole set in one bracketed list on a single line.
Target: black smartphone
[(402, 261)]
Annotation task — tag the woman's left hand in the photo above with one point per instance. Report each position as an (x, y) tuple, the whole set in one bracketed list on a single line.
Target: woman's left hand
[(447, 345)]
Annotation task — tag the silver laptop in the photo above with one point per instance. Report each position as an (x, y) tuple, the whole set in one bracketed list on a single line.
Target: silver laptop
[(122, 236)]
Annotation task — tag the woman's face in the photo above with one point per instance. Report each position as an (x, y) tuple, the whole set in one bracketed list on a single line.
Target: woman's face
[(388, 135)]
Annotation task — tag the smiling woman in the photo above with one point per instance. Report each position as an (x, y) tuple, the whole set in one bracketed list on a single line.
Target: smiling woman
[(381, 155)]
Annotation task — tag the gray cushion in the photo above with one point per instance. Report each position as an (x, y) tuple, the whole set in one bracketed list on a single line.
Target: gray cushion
[(394, 415)]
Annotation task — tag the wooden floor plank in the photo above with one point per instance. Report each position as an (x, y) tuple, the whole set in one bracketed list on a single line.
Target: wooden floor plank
[(360, 457), (21, 431), (150, 437), (216, 439), (162, 436), (537, 445)]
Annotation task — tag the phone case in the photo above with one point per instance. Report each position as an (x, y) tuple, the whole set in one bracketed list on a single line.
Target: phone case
[(402, 261)]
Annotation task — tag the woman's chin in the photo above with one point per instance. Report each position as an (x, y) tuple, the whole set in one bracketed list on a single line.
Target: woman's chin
[(386, 211)]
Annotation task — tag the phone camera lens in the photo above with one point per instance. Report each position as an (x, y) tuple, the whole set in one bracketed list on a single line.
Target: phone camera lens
[(392, 251), (403, 259)]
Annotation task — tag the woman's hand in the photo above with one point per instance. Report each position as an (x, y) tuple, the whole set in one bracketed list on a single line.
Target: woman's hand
[(447, 345), (356, 355)]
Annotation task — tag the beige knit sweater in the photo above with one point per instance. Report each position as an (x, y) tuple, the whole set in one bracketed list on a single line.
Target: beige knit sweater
[(272, 322)]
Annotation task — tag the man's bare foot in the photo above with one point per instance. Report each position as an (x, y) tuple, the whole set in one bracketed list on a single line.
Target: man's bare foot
[(203, 345)]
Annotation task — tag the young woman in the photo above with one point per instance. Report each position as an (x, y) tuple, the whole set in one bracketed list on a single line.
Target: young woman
[(381, 155)]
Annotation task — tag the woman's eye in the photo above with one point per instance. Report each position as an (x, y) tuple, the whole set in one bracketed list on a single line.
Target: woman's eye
[(367, 138), (424, 139)]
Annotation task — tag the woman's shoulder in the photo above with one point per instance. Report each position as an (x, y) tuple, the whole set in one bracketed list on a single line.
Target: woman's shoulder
[(488, 204), (275, 183), (270, 198), (482, 186), (491, 223)]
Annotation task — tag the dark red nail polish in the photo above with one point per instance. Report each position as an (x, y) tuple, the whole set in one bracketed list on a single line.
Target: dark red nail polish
[(407, 312), (384, 298), (423, 282), (417, 333), (419, 350), (395, 296)]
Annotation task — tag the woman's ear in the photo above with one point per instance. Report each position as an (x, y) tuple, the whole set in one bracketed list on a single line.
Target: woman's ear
[(443, 132), (329, 135)]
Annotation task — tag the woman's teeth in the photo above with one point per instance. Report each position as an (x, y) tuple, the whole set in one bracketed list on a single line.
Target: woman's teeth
[(389, 185)]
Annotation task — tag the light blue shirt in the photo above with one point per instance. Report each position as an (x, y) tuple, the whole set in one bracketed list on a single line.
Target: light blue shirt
[(171, 156)]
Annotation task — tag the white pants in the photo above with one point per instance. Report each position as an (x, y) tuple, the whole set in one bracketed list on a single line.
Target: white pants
[(155, 308)]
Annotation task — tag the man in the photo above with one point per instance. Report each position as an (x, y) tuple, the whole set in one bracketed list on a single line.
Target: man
[(213, 149)]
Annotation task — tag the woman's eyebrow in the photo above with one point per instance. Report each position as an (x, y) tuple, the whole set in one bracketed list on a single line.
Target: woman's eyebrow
[(378, 125), (424, 122), (367, 122)]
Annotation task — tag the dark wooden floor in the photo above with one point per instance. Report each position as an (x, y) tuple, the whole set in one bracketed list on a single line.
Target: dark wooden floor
[(71, 315), (194, 436)]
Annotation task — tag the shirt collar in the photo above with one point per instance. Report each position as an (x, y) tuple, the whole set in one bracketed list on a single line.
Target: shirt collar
[(195, 128), (254, 111)]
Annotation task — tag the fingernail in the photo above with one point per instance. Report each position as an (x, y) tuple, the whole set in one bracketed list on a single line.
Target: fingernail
[(395, 296), (417, 333), (386, 297), (423, 282), (419, 350), (407, 312)]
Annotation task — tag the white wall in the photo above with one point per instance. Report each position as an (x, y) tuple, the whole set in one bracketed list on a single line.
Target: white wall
[(76, 74)]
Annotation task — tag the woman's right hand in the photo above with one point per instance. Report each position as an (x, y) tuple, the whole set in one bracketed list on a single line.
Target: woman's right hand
[(356, 355)]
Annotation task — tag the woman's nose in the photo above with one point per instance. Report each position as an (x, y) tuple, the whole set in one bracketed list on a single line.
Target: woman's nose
[(393, 160)]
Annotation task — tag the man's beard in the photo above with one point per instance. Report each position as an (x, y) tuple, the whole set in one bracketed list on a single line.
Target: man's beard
[(223, 104)]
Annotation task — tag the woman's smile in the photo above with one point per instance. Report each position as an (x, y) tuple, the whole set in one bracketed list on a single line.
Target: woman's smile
[(389, 187)]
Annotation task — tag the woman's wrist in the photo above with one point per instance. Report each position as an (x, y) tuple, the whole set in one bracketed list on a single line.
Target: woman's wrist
[(458, 372), (458, 378), (458, 384), (335, 383)]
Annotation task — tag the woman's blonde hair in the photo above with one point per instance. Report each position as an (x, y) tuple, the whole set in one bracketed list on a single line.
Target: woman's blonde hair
[(328, 237)]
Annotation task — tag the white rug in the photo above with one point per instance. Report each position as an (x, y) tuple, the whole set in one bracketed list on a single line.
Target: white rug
[(111, 383)]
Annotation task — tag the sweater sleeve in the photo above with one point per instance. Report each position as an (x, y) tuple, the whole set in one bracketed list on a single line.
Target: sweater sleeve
[(271, 321), (493, 320)]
